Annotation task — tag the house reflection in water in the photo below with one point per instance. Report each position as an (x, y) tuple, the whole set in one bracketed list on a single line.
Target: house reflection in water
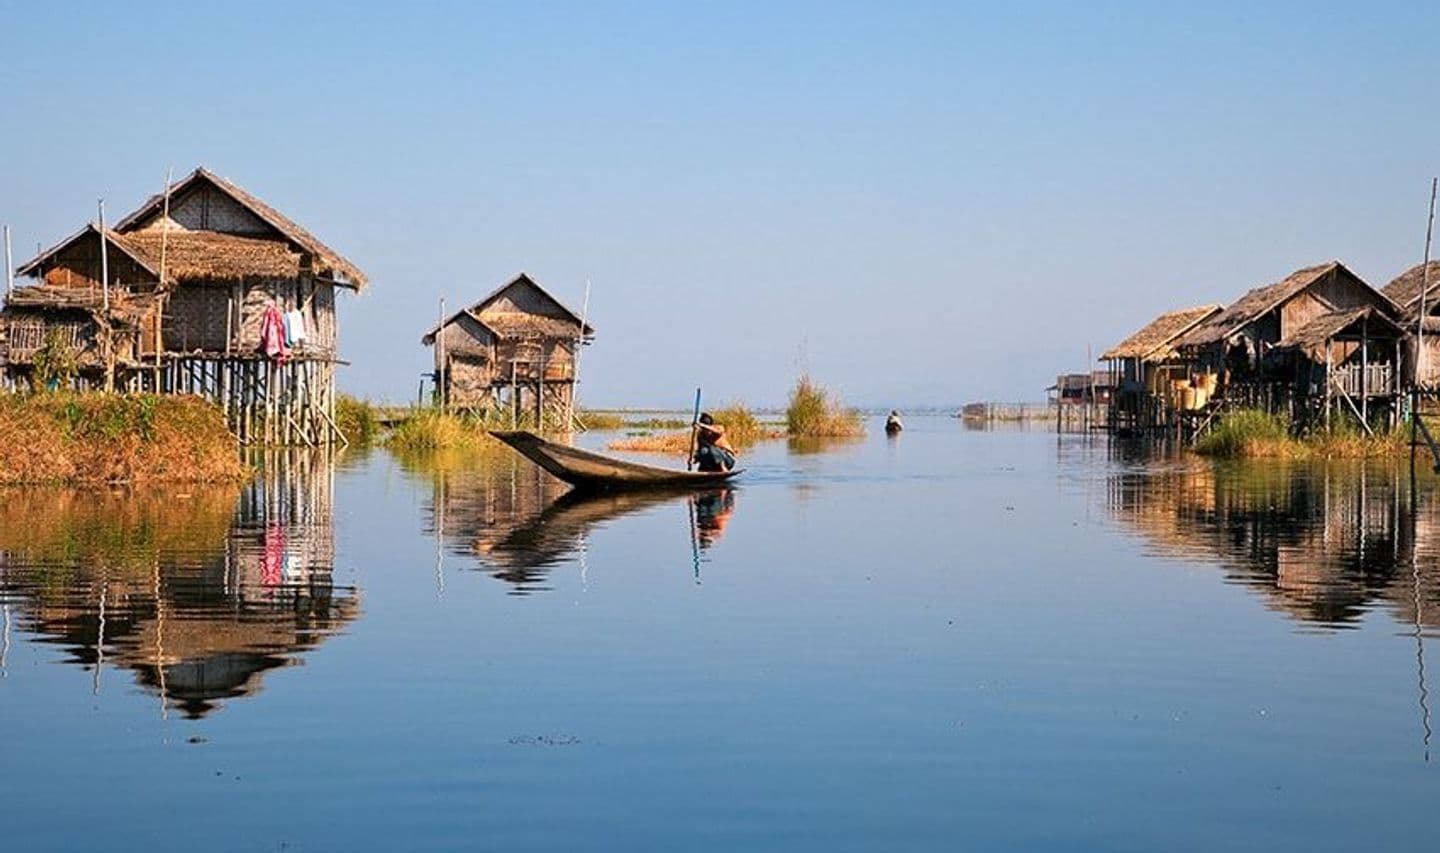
[(1324, 544), (196, 590), (520, 522)]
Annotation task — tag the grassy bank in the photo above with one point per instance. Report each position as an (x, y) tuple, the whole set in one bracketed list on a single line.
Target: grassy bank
[(114, 438), (815, 412), (1253, 434)]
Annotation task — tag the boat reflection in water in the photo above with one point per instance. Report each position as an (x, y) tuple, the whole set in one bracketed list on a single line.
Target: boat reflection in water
[(1325, 544), (197, 590), (520, 522)]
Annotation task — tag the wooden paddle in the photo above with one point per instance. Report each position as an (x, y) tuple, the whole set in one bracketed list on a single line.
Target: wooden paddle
[(694, 432)]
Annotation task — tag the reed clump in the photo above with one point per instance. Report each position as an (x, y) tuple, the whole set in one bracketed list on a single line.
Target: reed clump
[(435, 430), (1256, 434), (602, 420), (357, 420), (65, 437), (815, 412)]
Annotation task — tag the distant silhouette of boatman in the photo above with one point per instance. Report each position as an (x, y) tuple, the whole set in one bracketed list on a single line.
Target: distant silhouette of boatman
[(893, 424)]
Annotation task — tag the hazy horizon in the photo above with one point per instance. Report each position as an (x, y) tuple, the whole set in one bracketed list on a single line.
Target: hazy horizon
[(920, 204)]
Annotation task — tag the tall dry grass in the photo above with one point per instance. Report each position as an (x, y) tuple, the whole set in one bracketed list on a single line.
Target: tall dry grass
[(816, 412), (65, 437)]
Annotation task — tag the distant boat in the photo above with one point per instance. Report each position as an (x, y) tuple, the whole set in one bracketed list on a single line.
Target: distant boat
[(586, 470), (893, 424)]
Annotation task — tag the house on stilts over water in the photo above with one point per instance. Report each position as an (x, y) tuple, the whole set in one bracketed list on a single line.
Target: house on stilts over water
[(1318, 343), (204, 289), (514, 353), (1145, 366)]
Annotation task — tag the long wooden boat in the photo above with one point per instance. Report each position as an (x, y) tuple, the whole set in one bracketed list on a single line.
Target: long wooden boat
[(586, 470)]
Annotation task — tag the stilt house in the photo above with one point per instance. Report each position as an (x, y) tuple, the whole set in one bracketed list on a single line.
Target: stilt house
[(1406, 292), (195, 276), (1319, 338), (515, 350), (1146, 363)]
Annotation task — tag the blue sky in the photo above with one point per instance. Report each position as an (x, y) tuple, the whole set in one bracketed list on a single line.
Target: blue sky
[(917, 202)]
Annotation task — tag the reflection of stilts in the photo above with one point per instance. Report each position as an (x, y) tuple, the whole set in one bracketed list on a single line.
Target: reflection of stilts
[(1418, 604), (100, 641), (694, 538), (440, 541), (160, 642), (5, 640)]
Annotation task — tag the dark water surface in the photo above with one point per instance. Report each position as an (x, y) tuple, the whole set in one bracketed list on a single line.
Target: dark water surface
[(955, 640)]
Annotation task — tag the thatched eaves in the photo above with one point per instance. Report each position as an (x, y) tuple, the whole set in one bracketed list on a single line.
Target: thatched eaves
[(1333, 325), (326, 260), (125, 308), (211, 255), (1153, 342), (1405, 289), (1259, 302)]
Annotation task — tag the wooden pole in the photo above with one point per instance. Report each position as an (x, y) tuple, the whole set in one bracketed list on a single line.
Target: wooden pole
[(575, 370), (1424, 288), (9, 265), (694, 432), (441, 374)]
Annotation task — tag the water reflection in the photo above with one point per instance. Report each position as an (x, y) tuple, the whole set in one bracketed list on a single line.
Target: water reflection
[(1324, 544), (196, 590), (519, 522)]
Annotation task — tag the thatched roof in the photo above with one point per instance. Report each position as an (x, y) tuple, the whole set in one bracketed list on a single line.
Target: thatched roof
[(1404, 290), (1329, 325), (212, 255), (1152, 343), (1261, 301), (327, 260)]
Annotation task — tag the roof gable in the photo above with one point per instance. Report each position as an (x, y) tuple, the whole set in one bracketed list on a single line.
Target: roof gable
[(1404, 289), (1262, 300), (201, 179), (115, 242)]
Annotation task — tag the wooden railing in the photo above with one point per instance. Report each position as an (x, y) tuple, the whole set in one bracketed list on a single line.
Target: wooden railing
[(1372, 380)]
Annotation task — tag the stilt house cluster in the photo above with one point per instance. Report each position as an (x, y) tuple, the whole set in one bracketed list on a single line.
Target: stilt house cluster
[(1319, 343), (514, 352), (204, 289)]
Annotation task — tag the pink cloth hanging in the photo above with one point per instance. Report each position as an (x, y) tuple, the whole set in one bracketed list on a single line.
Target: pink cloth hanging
[(272, 334)]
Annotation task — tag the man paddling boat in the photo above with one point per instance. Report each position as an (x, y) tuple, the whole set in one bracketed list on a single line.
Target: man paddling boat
[(713, 451)]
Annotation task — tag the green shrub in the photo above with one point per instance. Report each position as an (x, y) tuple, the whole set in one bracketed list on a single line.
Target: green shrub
[(357, 420)]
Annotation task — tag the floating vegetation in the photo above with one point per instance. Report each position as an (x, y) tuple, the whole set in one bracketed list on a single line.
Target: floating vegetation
[(815, 412), (64, 437), (432, 429), (1256, 434)]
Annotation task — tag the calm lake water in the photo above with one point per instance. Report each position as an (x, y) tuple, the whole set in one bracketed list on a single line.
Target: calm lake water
[(953, 640)]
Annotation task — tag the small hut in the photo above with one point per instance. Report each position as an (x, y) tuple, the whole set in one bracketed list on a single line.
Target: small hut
[(174, 299), (516, 350), (1234, 352), (1146, 363)]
